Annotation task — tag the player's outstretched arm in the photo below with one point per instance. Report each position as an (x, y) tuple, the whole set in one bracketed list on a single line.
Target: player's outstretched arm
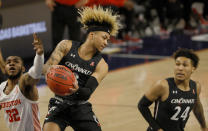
[(30, 79), (155, 92), (60, 51), (2, 63), (198, 110)]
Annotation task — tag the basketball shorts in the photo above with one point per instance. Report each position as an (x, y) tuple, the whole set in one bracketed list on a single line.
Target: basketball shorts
[(79, 117)]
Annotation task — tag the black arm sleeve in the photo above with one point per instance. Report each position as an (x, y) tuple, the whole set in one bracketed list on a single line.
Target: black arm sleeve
[(143, 107), (85, 92)]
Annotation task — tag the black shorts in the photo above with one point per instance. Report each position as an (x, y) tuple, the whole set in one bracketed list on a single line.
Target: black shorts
[(79, 117)]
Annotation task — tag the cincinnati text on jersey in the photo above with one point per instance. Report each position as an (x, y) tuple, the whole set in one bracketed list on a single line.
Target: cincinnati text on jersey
[(10, 103), (76, 67), (182, 100)]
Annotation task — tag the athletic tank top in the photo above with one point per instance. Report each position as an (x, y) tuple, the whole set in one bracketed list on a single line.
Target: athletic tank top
[(20, 113), (173, 113), (82, 69)]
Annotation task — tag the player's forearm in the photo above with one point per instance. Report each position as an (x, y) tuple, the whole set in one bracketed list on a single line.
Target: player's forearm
[(85, 92), (143, 107), (2, 67), (199, 113), (2, 63), (36, 70)]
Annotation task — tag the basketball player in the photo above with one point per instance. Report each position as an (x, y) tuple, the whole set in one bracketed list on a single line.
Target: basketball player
[(19, 95), (86, 62), (175, 97)]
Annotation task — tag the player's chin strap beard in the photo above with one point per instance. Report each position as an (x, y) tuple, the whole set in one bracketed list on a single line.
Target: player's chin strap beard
[(15, 76)]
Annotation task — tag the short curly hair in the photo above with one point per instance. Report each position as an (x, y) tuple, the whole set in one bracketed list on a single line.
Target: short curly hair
[(188, 53), (100, 18)]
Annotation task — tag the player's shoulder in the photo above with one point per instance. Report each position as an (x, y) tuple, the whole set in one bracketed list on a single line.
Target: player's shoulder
[(196, 82), (162, 86), (2, 86), (198, 86), (163, 83), (103, 63), (65, 42), (65, 45)]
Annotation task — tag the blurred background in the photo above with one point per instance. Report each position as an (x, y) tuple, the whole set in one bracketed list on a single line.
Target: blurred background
[(152, 30)]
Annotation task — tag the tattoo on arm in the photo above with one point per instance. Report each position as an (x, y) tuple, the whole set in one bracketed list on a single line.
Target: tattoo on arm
[(56, 56)]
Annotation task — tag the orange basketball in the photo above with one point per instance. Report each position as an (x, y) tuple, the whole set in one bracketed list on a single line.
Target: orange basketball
[(59, 79)]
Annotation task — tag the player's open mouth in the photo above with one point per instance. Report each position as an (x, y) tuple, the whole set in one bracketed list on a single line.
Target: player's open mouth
[(180, 74), (12, 69)]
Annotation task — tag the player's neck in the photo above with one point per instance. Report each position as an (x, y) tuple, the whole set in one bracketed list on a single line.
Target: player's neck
[(183, 84), (10, 86), (86, 51), (12, 83)]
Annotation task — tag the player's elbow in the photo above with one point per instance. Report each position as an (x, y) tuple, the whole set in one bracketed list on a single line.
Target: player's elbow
[(144, 103), (141, 106)]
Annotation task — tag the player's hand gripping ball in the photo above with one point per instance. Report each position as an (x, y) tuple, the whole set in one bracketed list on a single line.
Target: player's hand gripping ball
[(61, 80)]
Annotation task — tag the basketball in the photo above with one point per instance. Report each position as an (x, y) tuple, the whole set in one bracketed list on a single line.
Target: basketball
[(59, 79)]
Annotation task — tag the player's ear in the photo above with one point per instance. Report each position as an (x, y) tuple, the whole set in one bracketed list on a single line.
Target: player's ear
[(193, 69), (91, 35)]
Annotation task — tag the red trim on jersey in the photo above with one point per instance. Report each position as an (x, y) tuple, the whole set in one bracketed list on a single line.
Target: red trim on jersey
[(36, 122), (118, 3)]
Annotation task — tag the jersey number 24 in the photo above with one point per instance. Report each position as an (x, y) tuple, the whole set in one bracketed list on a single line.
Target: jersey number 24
[(184, 115)]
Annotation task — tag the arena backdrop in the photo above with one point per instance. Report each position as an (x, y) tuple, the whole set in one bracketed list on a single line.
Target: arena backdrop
[(21, 18)]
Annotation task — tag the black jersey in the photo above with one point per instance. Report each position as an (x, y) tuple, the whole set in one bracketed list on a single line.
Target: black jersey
[(82, 69), (173, 113)]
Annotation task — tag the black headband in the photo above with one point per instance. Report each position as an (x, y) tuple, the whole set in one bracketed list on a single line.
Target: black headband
[(98, 28)]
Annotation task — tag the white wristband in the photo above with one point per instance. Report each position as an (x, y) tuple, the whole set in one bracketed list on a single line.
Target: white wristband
[(36, 70)]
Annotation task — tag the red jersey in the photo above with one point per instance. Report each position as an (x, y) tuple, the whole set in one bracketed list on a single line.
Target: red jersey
[(118, 3)]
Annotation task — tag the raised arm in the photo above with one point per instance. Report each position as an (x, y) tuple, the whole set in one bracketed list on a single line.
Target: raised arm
[(198, 110), (29, 80), (60, 51), (2, 63)]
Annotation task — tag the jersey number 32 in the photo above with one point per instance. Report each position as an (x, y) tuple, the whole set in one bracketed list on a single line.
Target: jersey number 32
[(13, 115)]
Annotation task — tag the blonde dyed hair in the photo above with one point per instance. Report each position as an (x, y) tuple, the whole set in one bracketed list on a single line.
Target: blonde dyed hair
[(98, 16)]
